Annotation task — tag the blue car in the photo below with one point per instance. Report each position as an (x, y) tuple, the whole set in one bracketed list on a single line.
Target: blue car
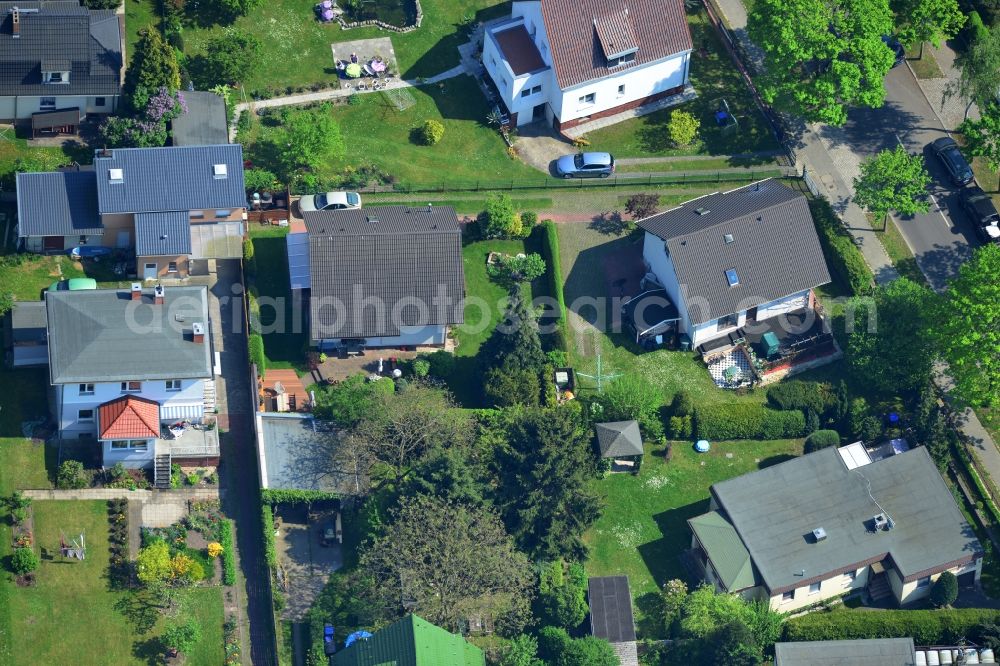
[(81, 251), (585, 165)]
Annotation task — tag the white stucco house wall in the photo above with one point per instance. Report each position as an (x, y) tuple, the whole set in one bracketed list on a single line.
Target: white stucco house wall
[(886, 526), (571, 61), (729, 258), (132, 371)]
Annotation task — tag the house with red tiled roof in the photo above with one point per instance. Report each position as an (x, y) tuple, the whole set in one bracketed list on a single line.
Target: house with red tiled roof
[(570, 61), (132, 371)]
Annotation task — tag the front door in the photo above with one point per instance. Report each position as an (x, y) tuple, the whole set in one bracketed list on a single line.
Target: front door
[(538, 112), (751, 315), (123, 240), (149, 271)]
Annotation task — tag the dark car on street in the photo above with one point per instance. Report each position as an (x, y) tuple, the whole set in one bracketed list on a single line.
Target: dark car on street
[(981, 210), (585, 165), (951, 157), (896, 48)]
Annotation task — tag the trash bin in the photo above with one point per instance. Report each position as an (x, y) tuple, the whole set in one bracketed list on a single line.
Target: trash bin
[(684, 342)]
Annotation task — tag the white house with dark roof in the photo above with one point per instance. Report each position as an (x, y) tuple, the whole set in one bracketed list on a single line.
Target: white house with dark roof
[(388, 276), (171, 206), (825, 524), (132, 370), (57, 55), (731, 259), (569, 61)]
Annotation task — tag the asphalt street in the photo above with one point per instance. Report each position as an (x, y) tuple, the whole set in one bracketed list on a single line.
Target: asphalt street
[(940, 239)]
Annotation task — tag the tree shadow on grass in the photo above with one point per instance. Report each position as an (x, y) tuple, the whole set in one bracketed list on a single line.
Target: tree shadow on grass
[(774, 460), (139, 610), (151, 651), (442, 55)]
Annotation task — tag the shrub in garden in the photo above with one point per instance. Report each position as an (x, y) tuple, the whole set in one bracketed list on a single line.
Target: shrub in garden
[(822, 439), (259, 180), (682, 404), (214, 549), (926, 627), (420, 367), (747, 421), (683, 128), (842, 255), (257, 357), (642, 205), (431, 132), (228, 558), (798, 394), (71, 475), (23, 561), (182, 636), (193, 479), (20, 514), (680, 427), (499, 219), (945, 590)]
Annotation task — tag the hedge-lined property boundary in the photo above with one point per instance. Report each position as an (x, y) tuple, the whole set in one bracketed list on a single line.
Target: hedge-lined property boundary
[(842, 255), (257, 357), (926, 627), (549, 246), (228, 552), (729, 421), (282, 496)]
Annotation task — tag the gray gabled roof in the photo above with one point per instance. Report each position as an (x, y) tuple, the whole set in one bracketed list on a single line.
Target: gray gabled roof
[(170, 178), (393, 254), (619, 438), (203, 124), (162, 234), (27, 321), (611, 615), (774, 248), (60, 36), (776, 509), (870, 652), (57, 203), (723, 546), (103, 336)]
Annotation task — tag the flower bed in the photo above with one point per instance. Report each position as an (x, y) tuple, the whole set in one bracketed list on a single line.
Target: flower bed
[(119, 567), (231, 640)]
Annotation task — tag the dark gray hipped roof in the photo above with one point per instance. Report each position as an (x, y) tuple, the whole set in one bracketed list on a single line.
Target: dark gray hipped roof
[(103, 336), (611, 608), (774, 248), (204, 123), (162, 234), (64, 36), (57, 203), (871, 652), (776, 509), (171, 178), (619, 438), (395, 254)]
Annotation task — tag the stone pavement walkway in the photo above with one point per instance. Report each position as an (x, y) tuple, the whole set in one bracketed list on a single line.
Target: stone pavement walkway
[(182, 494), (949, 108)]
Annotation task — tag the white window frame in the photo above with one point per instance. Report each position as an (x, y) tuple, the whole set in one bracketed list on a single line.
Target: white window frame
[(126, 387), (86, 389), (171, 266), (85, 419), (222, 212), (788, 596), (814, 588), (46, 103), (130, 445), (173, 385), (621, 89), (587, 100)]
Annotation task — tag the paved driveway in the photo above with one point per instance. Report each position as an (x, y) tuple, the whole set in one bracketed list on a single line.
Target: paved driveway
[(940, 239)]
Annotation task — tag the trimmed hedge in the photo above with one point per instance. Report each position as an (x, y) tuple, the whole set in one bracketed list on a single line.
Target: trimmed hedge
[(842, 255), (799, 394), (257, 357), (746, 421), (267, 525), (822, 439), (282, 496), (550, 253), (926, 627), (228, 552)]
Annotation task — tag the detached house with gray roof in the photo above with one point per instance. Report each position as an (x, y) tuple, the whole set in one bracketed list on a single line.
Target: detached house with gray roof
[(830, 523), (59, 56), (131, 370), (176, 207), (733, 259), (570, 61), (389, 276)]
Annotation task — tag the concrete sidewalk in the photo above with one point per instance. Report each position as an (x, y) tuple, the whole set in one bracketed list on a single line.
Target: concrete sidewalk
[(949, 108)]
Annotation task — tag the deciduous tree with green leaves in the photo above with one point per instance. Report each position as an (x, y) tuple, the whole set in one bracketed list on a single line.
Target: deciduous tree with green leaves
[(683, 128), (823, 57), (982, 137), (230, 58), (934, 21), (310, 137), (968, 328), (979, 76), (893, 180)]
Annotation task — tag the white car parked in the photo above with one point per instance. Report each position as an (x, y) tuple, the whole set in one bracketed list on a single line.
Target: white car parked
[(330, 201)]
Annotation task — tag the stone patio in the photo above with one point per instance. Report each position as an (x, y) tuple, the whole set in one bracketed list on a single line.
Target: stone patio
[(366, 50)]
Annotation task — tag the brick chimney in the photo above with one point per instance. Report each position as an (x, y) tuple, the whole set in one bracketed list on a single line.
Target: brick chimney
[(136, 291), (158, 295), (198, 332), (15, 22)]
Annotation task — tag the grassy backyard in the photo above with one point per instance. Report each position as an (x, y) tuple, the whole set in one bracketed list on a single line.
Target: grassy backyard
[(644, 529), (377, 133), (714, 77), (285, 349), (297, 47)]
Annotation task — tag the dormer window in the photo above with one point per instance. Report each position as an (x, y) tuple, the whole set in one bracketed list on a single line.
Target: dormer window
[(55, 71), (56, 77), (623, 59), (617, 37)]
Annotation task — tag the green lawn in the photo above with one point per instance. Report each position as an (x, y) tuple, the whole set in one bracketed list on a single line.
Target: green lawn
[(714, 77), (644, 529), (70, 615), (377, 133), (297, 47), (925, 67), (899, 252), (756, 164), (287, 349)]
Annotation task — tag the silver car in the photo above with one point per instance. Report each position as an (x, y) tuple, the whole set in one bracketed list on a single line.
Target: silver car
[(585, 165), (330, 201)]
